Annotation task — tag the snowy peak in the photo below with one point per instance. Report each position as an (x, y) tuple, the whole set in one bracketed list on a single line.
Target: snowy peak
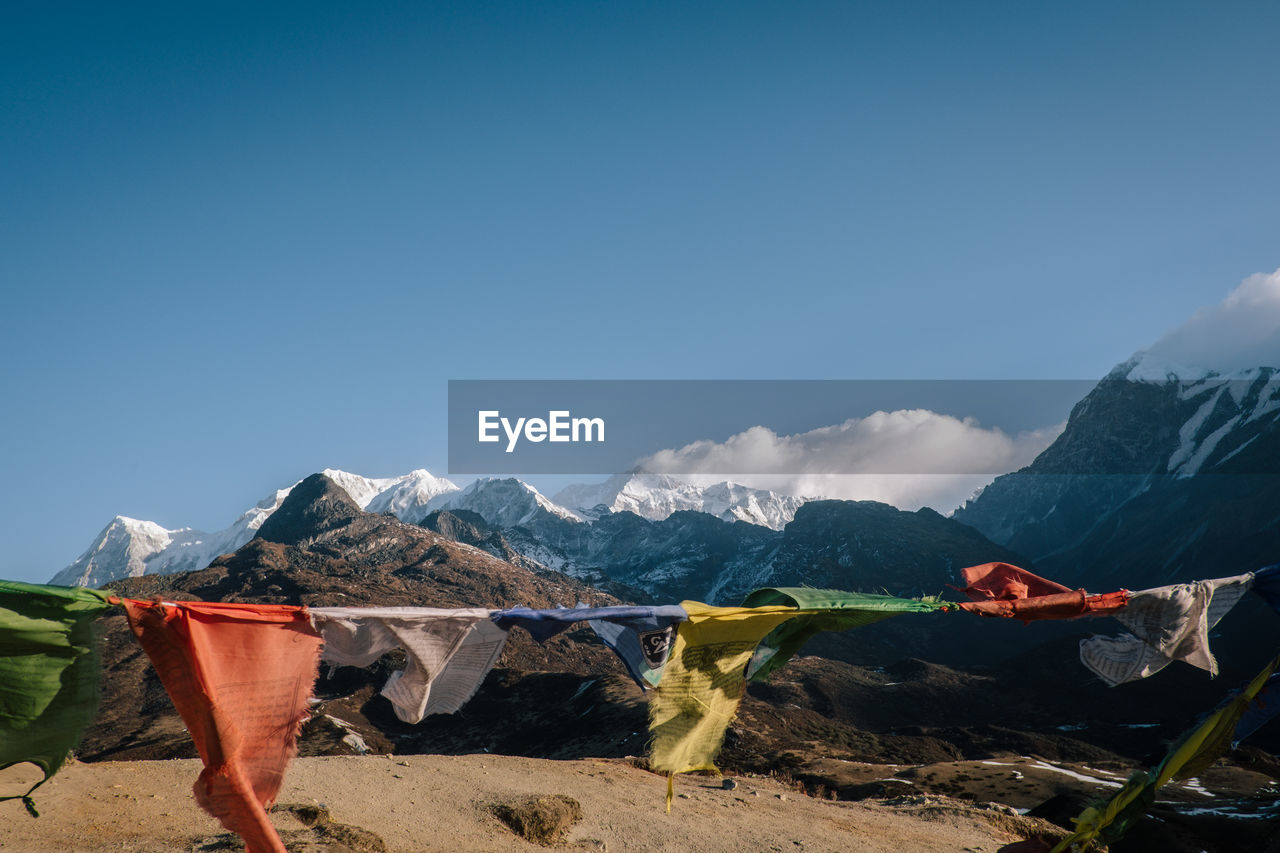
[(1230, 413), (732, 501), (643, 494), (128, 547), (120, 550), (409, 497), (506, 502), (252, 518), (362, 490), (1219, 411), (1141, 434), (315, 505), (1144, 366), (657, 496)]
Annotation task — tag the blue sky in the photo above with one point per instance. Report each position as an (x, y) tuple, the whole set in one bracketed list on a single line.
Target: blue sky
[(244, 242)]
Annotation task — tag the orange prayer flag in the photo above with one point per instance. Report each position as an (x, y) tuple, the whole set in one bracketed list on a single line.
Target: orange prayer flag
[(1005, 582), (240, 676), (1002, 589), (1063, 605)]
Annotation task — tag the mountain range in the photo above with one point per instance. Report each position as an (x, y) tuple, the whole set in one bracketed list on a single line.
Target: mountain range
[(129, 547), (657, 496), (685, 553), (1163, 473)]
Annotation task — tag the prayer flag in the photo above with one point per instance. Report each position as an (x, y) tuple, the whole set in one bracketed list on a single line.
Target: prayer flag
[(48, 673), (450, 651), (640, 635), (1168, 623), (835, 611), (703, 683), (240, 676)]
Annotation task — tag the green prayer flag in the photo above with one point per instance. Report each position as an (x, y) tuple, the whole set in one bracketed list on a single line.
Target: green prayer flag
[(839, 611), (48, 673)]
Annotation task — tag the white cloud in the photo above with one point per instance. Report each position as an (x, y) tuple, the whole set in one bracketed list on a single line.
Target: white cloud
[(1240, 332), (909, 458)]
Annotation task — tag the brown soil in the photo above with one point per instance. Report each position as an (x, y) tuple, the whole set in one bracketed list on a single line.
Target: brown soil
[(419, 804)]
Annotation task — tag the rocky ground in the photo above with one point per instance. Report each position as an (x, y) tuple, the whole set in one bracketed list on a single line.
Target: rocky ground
[(419, 804)]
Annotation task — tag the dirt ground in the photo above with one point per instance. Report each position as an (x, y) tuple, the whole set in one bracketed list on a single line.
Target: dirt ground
[(442, 803)]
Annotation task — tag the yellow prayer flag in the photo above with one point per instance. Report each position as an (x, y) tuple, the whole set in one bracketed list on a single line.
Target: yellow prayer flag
[(700, 690)]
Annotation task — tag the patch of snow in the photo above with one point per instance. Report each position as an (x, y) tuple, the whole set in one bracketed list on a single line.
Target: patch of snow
[(1221, 811), (657, 496), (1147, 366), (1268, 400), (1193, 465), (1092, 780), (1237, 450), (1187, 434), (1194, 785), (1104, 772), (1152, 368)]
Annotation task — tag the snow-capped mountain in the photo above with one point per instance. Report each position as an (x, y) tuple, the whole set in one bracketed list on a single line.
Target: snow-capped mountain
[(410, 495), (502, 502), (540, 529), (652, 532), (834, 544), (122, 549), (1226, 404), (1164, 470), (656, 496), (363, 490), (128, 547)]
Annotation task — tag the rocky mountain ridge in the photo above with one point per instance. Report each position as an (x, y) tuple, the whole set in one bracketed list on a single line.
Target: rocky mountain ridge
[(1162, 474), (658, 496), (129, 547), (856, 545)]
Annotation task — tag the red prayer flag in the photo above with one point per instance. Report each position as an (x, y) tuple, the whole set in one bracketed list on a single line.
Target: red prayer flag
[(1001, 589), (1063, 605), (240, 676), (1006, 582)]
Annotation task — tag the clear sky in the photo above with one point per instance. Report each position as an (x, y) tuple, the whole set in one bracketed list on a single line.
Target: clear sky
[(243, 242)]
